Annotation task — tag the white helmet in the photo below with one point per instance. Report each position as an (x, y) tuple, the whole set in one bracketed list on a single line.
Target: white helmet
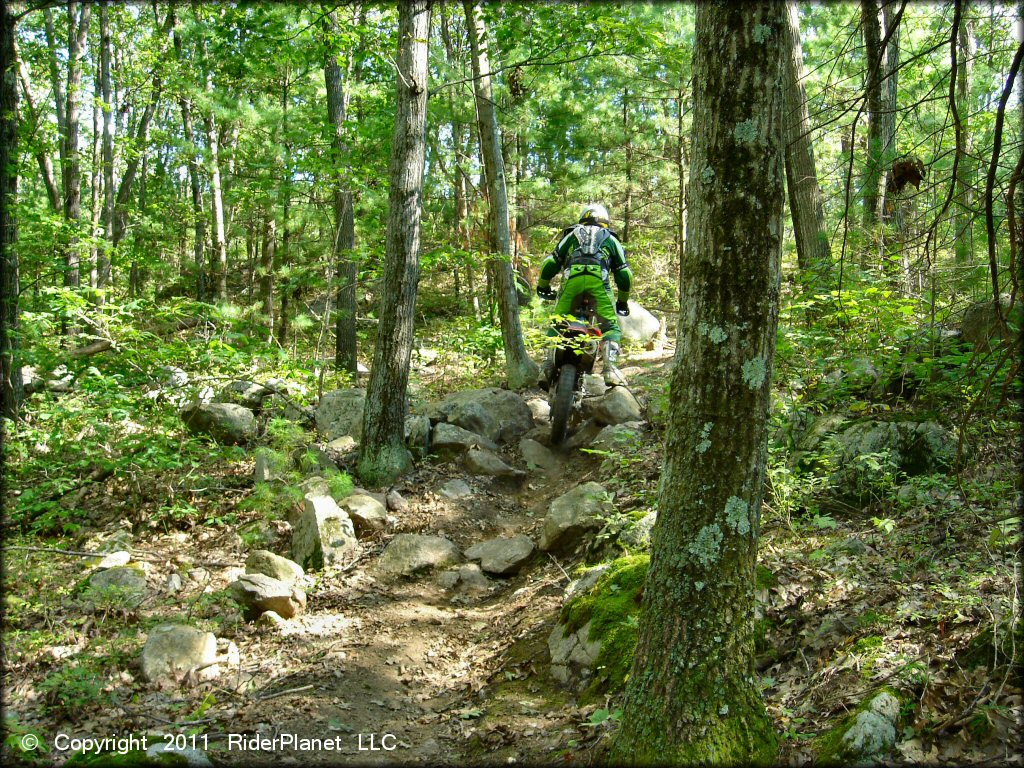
[(595, 214)]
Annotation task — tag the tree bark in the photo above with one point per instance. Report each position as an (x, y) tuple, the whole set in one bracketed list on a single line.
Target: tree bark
[(681, 193), (73, 164), (219, 239), (521, 371), (10, 366), (627, 208), (383, 455), (267, 273), (198, 212), (814, 256), (963, 215), (344, 219), (880, 91), (691, 697), (103, 267)]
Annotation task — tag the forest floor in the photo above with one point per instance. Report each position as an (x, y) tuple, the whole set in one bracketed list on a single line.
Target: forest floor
[(407, 671)]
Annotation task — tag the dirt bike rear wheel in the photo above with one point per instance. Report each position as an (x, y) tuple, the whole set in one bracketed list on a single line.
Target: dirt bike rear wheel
[(562, 403)]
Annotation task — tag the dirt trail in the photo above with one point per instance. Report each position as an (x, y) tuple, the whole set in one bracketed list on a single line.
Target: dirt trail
[(398, 671)]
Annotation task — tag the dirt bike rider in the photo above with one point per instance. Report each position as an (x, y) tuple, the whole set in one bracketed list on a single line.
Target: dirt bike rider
[(585, 255)]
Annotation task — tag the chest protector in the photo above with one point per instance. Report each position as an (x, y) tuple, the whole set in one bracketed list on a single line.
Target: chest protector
[(588, 258)]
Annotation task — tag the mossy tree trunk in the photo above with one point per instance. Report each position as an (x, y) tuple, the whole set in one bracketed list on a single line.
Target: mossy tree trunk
[(520, 369), (10, 369), (691, 697), (383, 455)]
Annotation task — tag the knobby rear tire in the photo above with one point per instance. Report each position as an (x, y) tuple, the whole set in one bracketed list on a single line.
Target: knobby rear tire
[(562, 404)]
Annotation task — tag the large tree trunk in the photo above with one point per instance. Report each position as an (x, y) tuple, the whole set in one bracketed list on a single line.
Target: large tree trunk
[(963, 216), (520, 369), (383, 455), (95, 183), (198, 213), (880, 91), (627, 207), (103, 267), (805, 206), (220, 242), (691, 697), (344, 219), (73, 164), (10, 368), (267, 273)]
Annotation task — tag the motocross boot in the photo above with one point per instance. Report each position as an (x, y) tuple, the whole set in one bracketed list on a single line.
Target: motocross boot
[(612, 375)]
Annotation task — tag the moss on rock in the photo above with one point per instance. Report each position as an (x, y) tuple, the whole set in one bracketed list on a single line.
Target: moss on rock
[(612, 607)]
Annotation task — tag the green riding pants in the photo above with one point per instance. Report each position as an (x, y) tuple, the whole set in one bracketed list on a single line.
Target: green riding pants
[(594, 285)]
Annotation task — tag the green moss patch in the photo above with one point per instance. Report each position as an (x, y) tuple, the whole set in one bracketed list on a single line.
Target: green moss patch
[(612, 607)]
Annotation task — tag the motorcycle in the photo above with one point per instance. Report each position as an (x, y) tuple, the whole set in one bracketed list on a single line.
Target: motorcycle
[(576, 350)]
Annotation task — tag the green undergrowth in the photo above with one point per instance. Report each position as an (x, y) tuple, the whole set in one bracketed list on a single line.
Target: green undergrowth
[(613, 608)]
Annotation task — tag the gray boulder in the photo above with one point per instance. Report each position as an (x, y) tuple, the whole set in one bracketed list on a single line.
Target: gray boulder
[(173, 651), (584, 436), (417, 435), (573, 514), (224, 422), (585, 582), (503, 556), (573, 654), (449, 439), (456, 489), (482, 462), (640, 325), (617, 407), (873, 732), (465, 578), (497, 414), (324, 535), (540, 408), (368, 515), (245, 393), (910, 447), (128, 582), (408, 554), (981, 327), (616, 437), (340, 413), (396, 502), (276, 567), (537, 455), (258, 593)]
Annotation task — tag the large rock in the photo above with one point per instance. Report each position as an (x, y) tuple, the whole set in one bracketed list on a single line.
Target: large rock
[(537, 455), (456, 489), (408, 554), (981, 327), (481, 462), (276, 567), (497, 414), (368, 515), (245, 393), (172, 651), (417, 435), (574, 513), (503, 556), (617, 407), (224, 422), (573, 654), (449, 439), (340, 413), (871, 735), (640, 325), (617, 437), (128, 582), (908, 447), (258, 593), (324, 535)]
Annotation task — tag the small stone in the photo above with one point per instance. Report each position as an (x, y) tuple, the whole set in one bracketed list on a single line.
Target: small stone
[(585, 435), (502, 556), (617, 407), (194, 758), (407, 554), (224, 422), (276, 567), (368, 515), (257, 593), (173, 651), (482, 462), (129, 584), (115, 560), (261, 472), (574, 513), (538, 455), (456, 489), (270, 619), (173, 583), (396, 502)]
